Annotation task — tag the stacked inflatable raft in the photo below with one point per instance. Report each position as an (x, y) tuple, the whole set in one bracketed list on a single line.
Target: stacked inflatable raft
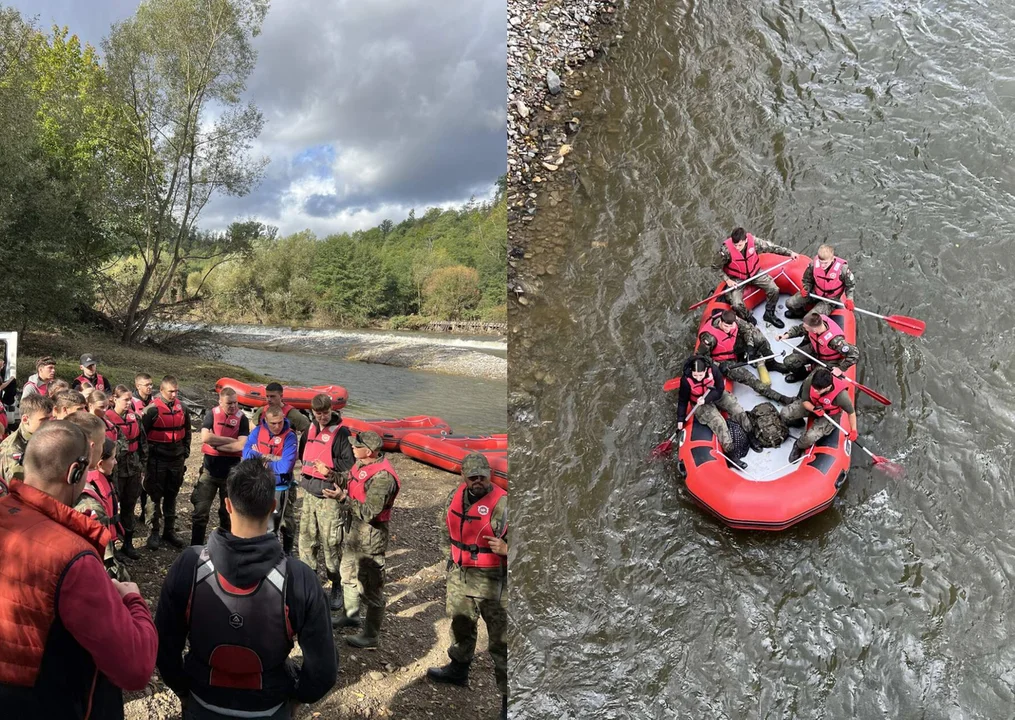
[(771, 494)]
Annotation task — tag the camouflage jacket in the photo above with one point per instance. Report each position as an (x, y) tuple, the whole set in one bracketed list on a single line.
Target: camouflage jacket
[(12, 451), (366, 534), (850, 353), (476, 582)]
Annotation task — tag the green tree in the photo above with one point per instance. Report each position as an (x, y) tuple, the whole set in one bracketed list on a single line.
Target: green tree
[(452, 291)]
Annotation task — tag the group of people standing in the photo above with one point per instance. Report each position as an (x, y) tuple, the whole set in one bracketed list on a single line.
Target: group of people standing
[(230, 607), (731, 341)]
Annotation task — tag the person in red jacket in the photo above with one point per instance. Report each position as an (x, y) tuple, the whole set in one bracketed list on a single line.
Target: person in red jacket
[(71, 639)]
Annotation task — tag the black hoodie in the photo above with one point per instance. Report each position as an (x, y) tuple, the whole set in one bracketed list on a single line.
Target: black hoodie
[(684, 396), (243, 562)]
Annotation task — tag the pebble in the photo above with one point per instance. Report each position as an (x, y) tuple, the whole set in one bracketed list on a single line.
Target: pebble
[(375, 675), (552, 82)]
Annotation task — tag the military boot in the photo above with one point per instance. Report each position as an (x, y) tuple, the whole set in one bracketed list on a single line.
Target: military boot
[(795, 453), (335, 598), (772, 320), (170, 536), (774, 365), (754, 443), (738, 463), (371, 630), (454, 672), (128, 549), (340, 620), (154, 539)]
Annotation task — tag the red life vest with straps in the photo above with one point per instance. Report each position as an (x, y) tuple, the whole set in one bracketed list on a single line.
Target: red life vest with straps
[(98, 382), (820, 341), (41, 389), (829, 283), (226, 426), (111, 431), (237, 635), (170, 424), (320, 446), (102, 491), (265, 444), (724, 341), (469, 547), (824, 400), (701, 387), (128, 425), (360, 475), (138, 404), (741, 267)]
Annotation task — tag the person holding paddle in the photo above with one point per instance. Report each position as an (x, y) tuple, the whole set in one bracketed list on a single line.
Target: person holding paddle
[(738, 258), (703, 384), (826, 341), (827, 277), (826, 397)]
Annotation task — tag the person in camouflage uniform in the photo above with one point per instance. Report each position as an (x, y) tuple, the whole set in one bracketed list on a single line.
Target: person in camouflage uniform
[(813, 328), (835, 281), (475, 526), (35, 410), (830, 397), (369, 495), (299, 424), (737, 259), (327, 457), (747, 340), (130, 463), (704, 386)]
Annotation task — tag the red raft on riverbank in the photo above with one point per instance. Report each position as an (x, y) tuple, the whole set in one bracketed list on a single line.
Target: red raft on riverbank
[(253, 396), (448, 451), (771, 494), (393, 430)]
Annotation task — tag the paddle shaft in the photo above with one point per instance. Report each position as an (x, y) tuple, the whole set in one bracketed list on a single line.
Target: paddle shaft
[(908, 325), (877, 396), (855, 442), (739, 284)]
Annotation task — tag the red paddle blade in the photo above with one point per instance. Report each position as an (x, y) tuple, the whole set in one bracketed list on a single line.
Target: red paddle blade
[(874, 394), (671, 384), (889, 468), (662, 450), (908, 325)]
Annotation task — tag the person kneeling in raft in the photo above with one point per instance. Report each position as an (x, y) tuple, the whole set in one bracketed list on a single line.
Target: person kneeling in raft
[(738, 258), (827, 343), (826, 395), (827, 277), (728, 339), (703, 384)]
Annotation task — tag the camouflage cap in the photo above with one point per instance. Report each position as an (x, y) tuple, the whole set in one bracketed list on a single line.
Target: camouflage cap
[(369, 439), (476, 465)]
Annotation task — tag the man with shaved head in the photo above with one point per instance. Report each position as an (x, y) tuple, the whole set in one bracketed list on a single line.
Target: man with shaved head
[(274, 443), (72, 639)]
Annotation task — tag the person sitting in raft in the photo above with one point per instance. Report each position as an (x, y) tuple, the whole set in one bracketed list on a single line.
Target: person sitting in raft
[(827, 277), (826, 396), (825, 341), (703, 385), (729, 339), (738, 259)]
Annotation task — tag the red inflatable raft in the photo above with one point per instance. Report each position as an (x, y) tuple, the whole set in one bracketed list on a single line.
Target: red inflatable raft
[(771, 494), (392, 431), (299, 397), (448, 451)]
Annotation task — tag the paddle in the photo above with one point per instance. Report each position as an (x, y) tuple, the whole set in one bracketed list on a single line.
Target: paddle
[(892, 469), (674, 383), (664, 448), (739, 284), (908, 325), (876, 395)]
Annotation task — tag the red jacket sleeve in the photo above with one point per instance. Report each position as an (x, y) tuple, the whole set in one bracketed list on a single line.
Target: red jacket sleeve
[(118, 633)]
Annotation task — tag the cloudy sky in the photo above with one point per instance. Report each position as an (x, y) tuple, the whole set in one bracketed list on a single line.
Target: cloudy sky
[(372, 107)]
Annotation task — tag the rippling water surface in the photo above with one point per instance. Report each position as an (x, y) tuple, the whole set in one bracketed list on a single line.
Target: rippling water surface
[(884, 128)]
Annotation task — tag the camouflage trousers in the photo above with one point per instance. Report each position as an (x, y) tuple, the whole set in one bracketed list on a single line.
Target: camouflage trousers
[(322, 525), (736, 297), (162, 482), (818, 429), (465, 608), (796, 362), (745, 376), (362, 577), (205, 490), (797, 306), (708, 414)]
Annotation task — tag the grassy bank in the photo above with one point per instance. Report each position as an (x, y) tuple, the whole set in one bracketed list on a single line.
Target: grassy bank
[(197, 375)]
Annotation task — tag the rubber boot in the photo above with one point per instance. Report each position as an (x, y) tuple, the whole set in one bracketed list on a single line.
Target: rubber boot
[(128, 549), (454, 673), (340, 620), (754, 443), (371, 630), (738, 463), (772, 320)]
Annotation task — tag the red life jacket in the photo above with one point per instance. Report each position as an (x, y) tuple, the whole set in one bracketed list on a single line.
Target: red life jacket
[(170, 424), (724, 342), (829, 283), (469, 547), (102, 491), (128, 425), (41, 536), (820, 342), (99, 383), (237, 635), (111, 431), (824, 400), (138, 404), (320, 446), (741, 267), (266, 444), (41, 389), (701, 388), (3, 422), (226, 426), (360, 476)]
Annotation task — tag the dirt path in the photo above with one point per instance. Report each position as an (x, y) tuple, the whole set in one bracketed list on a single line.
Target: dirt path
[(388, 682)]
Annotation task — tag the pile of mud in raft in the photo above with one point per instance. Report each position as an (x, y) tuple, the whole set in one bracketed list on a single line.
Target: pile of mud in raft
[(423, 437), (766, 405)]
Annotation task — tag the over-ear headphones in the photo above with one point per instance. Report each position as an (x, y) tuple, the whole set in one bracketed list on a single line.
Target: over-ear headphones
[(79, 467)]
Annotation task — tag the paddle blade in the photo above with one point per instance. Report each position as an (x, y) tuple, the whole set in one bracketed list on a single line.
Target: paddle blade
[(671, 384), (662, 450), (889, 468), (874, 394), (908, 325), (700, 303)]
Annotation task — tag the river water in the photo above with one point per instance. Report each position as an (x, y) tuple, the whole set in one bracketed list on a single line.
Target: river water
[(883, 128)]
